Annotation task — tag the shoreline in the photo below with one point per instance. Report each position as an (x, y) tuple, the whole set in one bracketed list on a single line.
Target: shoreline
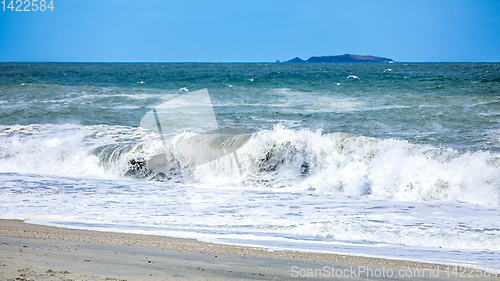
[(34, 252)]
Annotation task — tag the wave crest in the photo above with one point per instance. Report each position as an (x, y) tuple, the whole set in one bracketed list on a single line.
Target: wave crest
[(280, 159)]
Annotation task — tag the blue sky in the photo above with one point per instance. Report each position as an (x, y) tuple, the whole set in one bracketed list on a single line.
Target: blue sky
[(251, 31)]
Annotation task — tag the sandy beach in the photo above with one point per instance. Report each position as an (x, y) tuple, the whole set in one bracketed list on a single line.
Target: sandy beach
[(34, 252)]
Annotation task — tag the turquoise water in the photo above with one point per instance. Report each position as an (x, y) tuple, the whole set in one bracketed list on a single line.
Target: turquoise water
[(450, 105), (405, 156)]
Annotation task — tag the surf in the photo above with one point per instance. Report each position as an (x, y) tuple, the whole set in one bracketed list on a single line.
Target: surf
[(280, 158)]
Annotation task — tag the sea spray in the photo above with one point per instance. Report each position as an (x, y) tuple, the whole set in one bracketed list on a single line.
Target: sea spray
[(356, 166), (402, 165), (300, 160)]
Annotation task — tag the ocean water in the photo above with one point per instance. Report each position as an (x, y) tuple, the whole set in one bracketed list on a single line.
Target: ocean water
[(401, 162)]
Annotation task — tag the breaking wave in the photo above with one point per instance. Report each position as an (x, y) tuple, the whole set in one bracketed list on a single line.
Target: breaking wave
[(281, 159)]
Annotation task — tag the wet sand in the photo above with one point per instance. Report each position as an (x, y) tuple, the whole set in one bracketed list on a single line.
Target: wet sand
[(35, 252)]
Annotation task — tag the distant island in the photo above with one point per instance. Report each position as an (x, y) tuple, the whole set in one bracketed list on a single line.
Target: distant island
[(341, 59)]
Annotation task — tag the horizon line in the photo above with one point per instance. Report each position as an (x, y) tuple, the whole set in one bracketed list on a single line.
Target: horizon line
[(247, 62)]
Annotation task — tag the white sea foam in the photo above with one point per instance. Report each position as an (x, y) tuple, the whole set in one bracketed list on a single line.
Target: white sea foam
[(296, 189), (392, 190), (286, 184), (357, 166), (54, 154), (318, 101), (292, 159)]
